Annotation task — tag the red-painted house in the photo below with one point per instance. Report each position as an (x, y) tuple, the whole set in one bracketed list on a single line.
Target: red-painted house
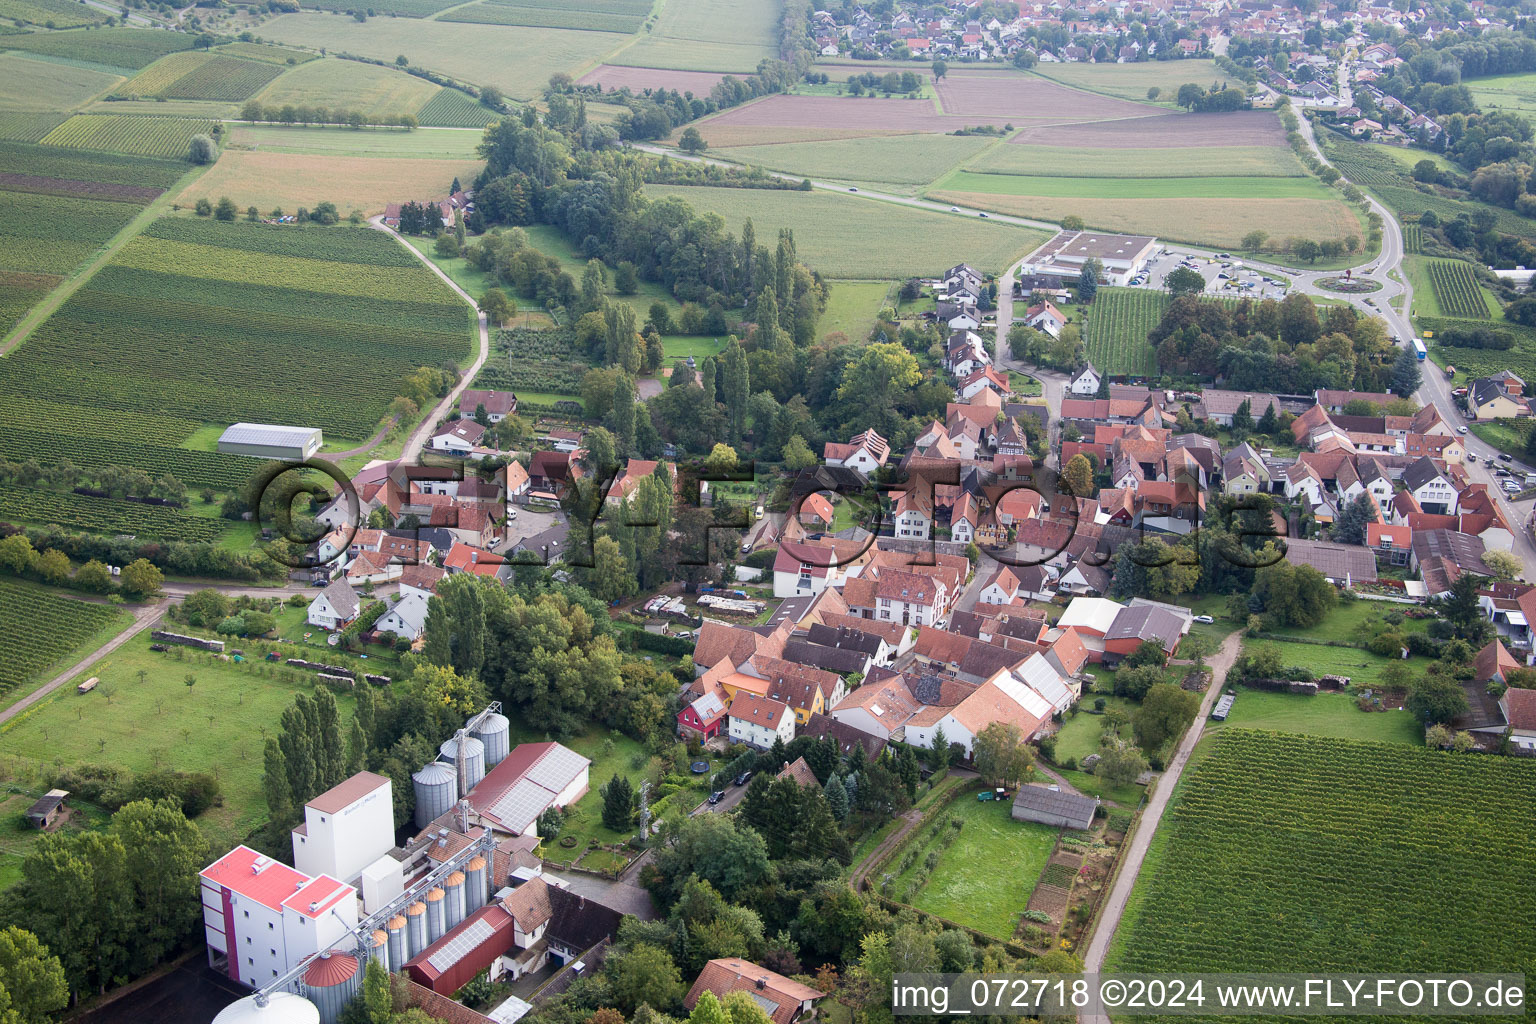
[(705, 717)]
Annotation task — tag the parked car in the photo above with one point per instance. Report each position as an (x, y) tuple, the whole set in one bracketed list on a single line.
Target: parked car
[(1205, 619), (716, 797), (1502, 458), (743, 778), (1471, 456), (1461, 429)]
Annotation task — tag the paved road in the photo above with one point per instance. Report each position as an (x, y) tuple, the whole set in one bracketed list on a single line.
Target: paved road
[(1135, 854), (418, 438)]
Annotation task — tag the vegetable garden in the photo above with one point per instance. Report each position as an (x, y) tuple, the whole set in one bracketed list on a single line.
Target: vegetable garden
[(39, 627), (1456, 290), (1118, 324), (1296, 853)]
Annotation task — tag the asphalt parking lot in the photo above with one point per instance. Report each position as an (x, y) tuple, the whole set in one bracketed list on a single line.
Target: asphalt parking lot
[(1239, 282)]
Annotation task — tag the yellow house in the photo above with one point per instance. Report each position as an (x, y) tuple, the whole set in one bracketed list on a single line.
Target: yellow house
[(1488, 400)]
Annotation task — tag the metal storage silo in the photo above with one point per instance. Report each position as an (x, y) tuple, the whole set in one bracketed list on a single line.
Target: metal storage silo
[(453, 888), (378, 947), (474, 760), (494, 731), (474, 884), (435, 917), (397, 943), (436, 791), (331, 981), (277, 1008), (416, 928)]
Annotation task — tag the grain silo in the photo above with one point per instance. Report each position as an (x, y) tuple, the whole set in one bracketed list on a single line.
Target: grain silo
[(397, 944), (378, 947), (436, 791), (474, 884), (436, 921), (331, 981), (474, 760), (275, 1008), (416, 928), (494, 732), (453, 890)]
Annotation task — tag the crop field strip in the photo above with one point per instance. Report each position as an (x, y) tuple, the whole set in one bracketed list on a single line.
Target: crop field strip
[(53, 13), (371, 90), (267, 52), (1295, 853), (167, 137), (27, 127), (107, 515), (708, 35), (28, 83), (1413, 238), (385, 8), (451, 108), (202, 75), (1456, 290), (38, 628), (582, 16), (116, 47), (1206, 161), (218, 322)]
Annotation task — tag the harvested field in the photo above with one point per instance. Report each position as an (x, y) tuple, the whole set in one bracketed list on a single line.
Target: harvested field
[(1131, 81), (350, 85), (1136, 188), (844, 113), (1220, 222), (719, 135), (899, 159), (1163, 131), (13, 182), (363, 183), (42, 85), (612, 76), (708, 35), (848, 237), (1020, 97), (1213, 161), (518, 61)]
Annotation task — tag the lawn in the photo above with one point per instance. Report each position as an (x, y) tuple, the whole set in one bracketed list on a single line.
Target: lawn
[(849, 237), (1131, 81), (1198, 162), (1326, 714), (18, 836), (1355, 622), (1292, 853), (984, 879), (1505, 92), (349, 85), (438, 143), (1507, 436), (1125, 796), (853, 307), (366, 184), (42, 85), (1361, 667), (43, 630), (517, 60), (707, 35), (889, 160), (215, 726), (1079, 735), (681, 346)]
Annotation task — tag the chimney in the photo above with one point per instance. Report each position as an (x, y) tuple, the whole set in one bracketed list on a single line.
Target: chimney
[(762, 982)]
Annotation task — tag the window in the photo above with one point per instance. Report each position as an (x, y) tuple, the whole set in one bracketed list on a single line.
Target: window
[(247, 914), (250, 961), (269, 925), (272, 951)]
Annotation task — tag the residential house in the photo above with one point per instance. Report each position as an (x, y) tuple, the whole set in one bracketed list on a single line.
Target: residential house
[(816, 511), (1432, 488), (785, 1001), (334, 607), (1490, 398), (865, 453), (406, 616), (1046, 317), (758, 721), (498, 404), (457, 437), (1085, 381)]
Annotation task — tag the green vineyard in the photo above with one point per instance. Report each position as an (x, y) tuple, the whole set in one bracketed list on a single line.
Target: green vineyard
[(1118, 323), (39, 628), (451, 108), (1413, 238), (105, 515), (53, 13), (1297, 853), (135, 136), (200, 75), (1456, 290), (115, 47), (27, 127)]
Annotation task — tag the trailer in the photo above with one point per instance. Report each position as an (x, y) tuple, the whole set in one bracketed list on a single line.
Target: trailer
[(88, 685)]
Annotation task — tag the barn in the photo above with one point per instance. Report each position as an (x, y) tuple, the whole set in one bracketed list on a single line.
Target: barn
[(268, 441), (1051, 805)]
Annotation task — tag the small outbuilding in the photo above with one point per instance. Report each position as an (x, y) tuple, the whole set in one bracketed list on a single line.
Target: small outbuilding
[(43, 813), (1051, 805), (268, 441)]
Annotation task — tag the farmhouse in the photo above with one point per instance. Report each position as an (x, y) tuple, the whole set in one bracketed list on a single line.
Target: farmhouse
[(266, 441)]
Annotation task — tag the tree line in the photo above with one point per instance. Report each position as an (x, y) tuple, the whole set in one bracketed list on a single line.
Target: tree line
[(306, 115)]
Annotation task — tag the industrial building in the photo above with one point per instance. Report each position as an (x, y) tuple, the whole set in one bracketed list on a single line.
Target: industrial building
[(268, 441), (346, 828), (1063, 257)]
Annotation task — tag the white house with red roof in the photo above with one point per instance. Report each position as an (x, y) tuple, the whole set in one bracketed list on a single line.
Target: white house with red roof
[(1046, 317), (864, 453), (457, 437), (262, 917)]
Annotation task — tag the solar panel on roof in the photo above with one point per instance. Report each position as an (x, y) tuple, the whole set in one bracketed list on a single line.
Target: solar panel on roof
[(461, 945), (520, 805), (769, 1006), (557, 768)]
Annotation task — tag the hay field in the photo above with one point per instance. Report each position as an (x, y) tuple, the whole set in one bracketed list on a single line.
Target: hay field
[(848, 237), (612, 76), (707, 35), (1505, 92), (423, 142), (1131, 81), (518, 61), (1220, 222), (42, 85), (1163, 131), (1211, 161), (900, 159), (1135, 188), (349, 85), (368, 184)]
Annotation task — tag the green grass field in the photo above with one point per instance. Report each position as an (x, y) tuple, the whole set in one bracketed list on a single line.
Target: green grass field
[(42, 85), (844, 236), (1013, 852), (44, 630), (1131, 81), (853, 307), (593, 15), (517, 61), (1079, 735), (117, 47), (436, 143), (1326, 714), (1292, 853), (1132, 188), (349, 85), (1515, 92), (1206, 161), (894, 160), (681, 346), (707, 35), (1361, 667), (551, 241), (214, 726), (1355, 622)]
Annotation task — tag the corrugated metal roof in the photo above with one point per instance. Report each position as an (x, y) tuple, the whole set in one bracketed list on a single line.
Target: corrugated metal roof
[(267, 433)]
